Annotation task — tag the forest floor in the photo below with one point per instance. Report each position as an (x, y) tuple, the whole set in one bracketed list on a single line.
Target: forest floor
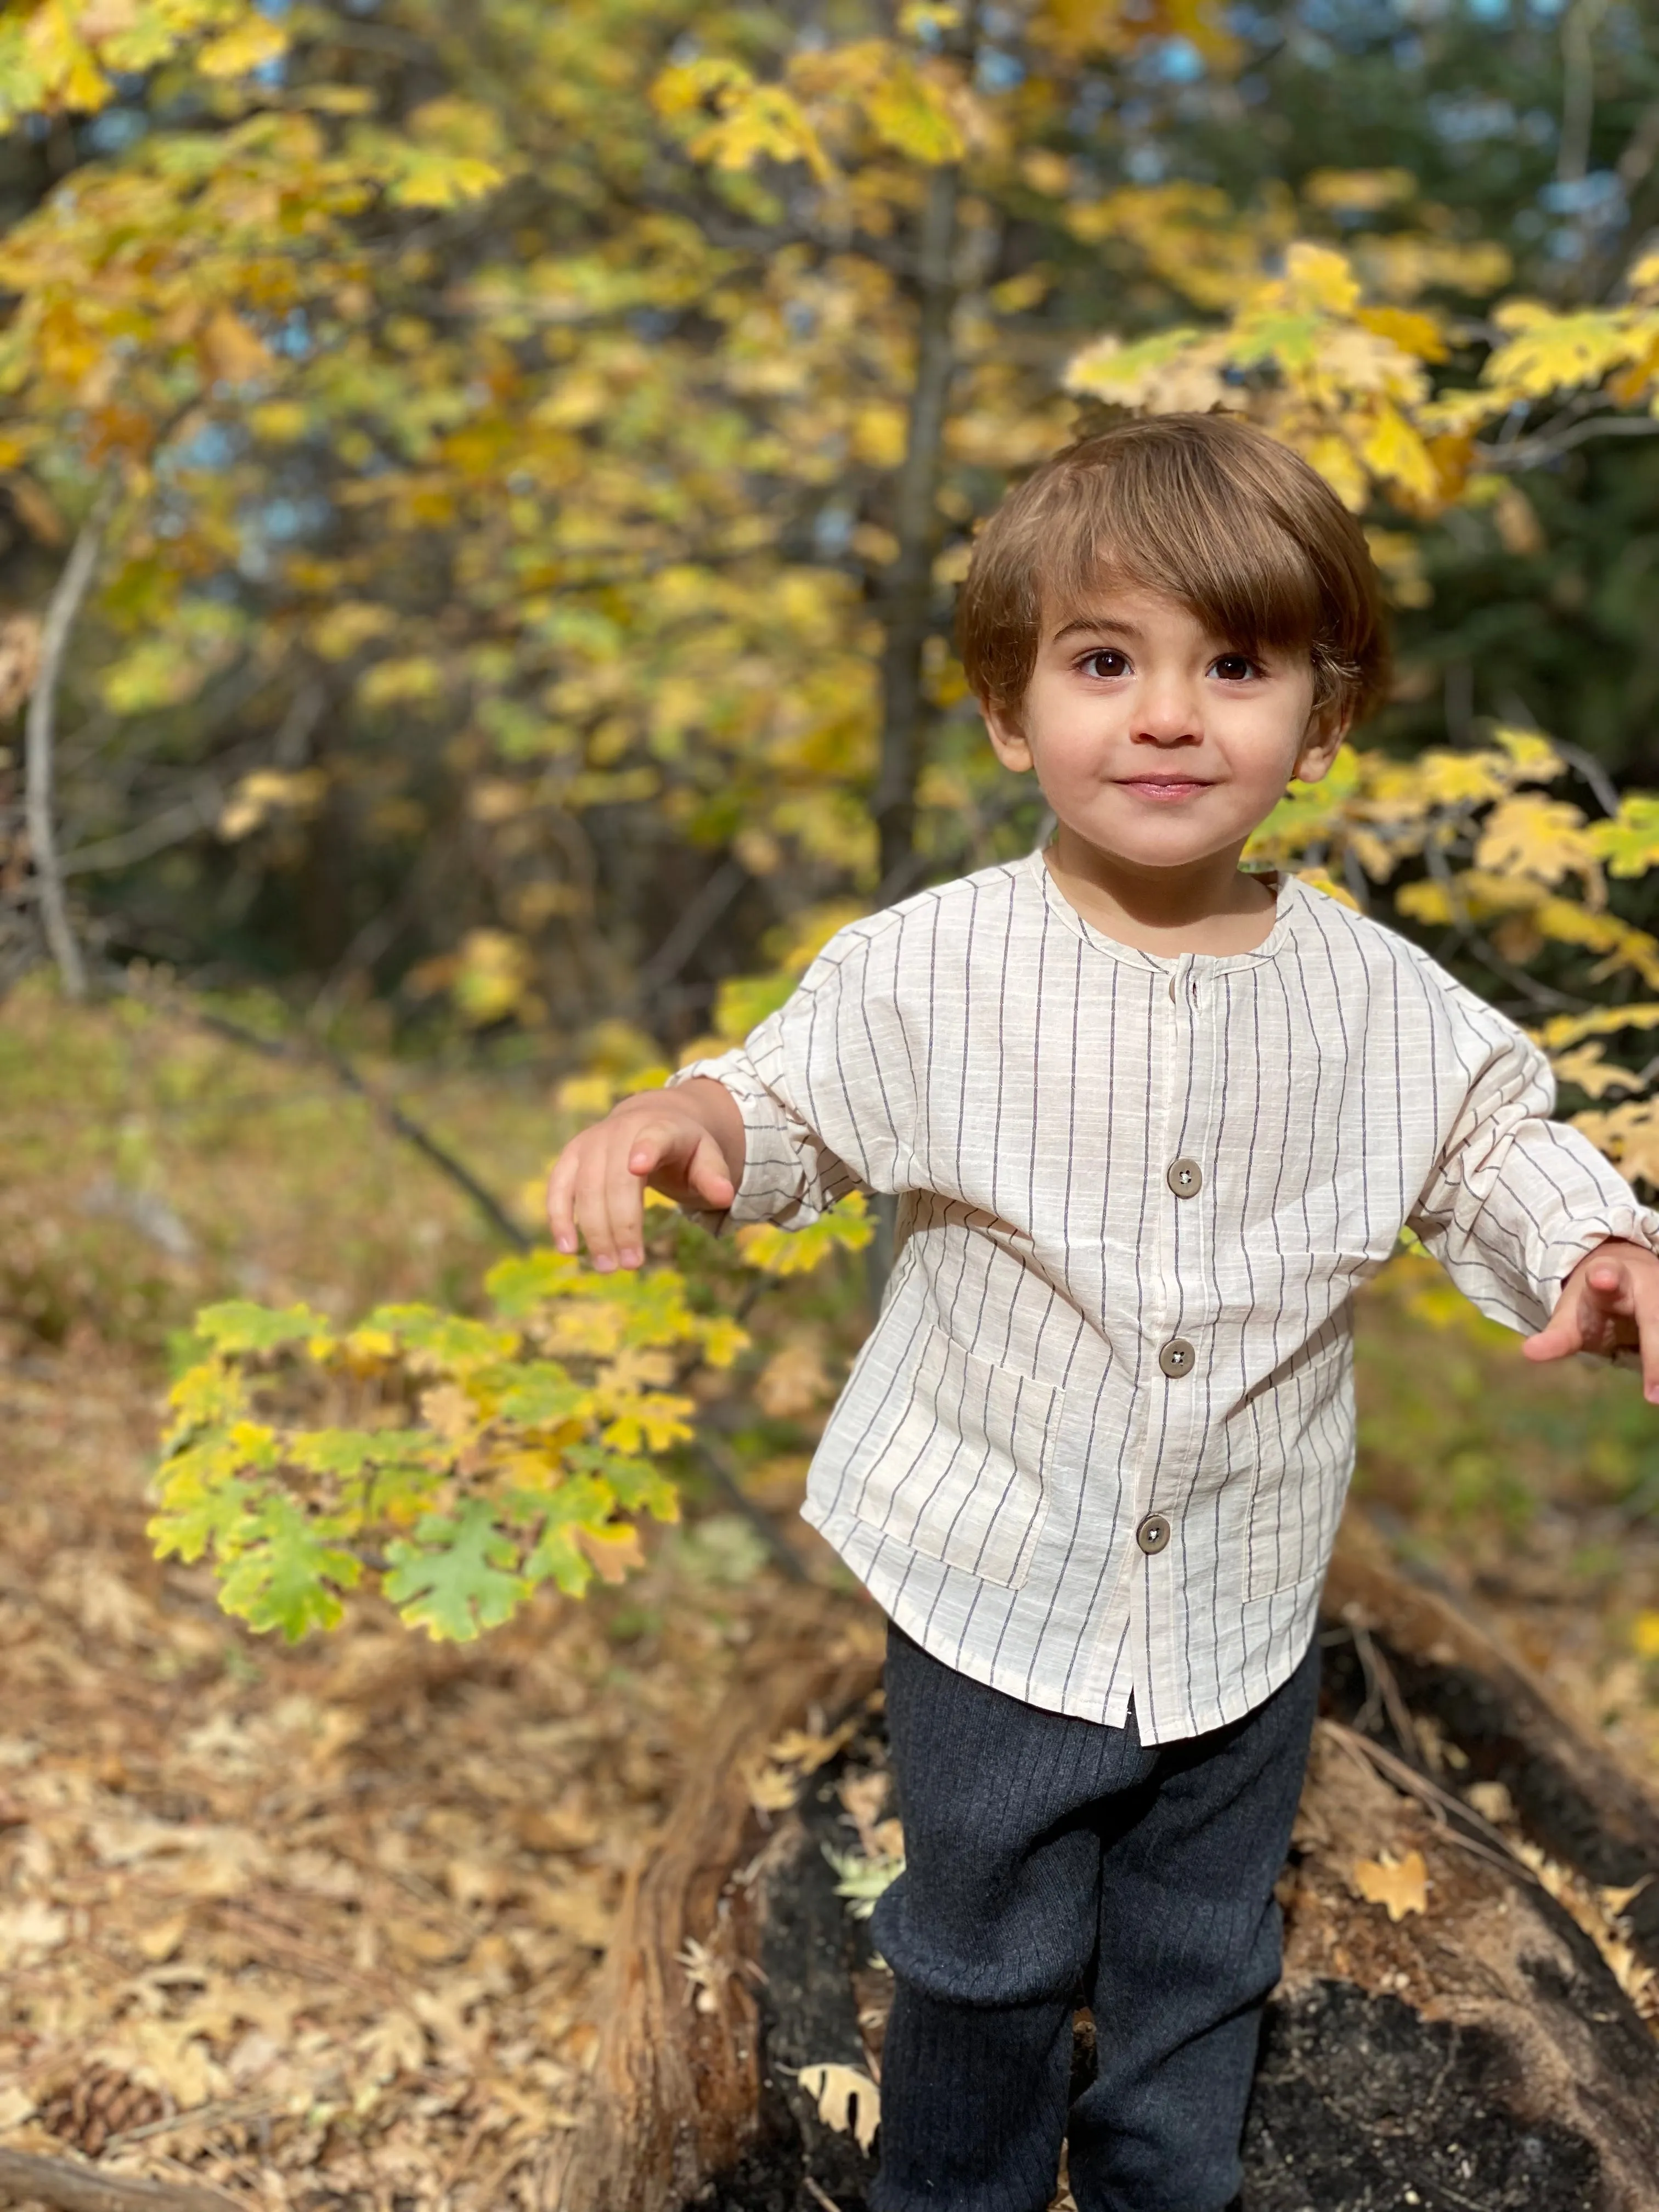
[(322, 1925)]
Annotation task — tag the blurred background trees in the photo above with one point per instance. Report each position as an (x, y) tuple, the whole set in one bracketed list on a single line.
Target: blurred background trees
[(538, 445), (483, 488)]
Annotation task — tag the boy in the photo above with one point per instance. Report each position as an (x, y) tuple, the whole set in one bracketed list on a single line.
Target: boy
[(1150, 1120)]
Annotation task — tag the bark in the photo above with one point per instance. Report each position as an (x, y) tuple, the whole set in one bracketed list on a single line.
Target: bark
[(59, 2182), (908, 595), (39, 735), (675, 2090), (1481, 2055)]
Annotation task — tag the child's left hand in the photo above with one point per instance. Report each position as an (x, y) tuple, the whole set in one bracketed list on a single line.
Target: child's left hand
[(1609, 1303)]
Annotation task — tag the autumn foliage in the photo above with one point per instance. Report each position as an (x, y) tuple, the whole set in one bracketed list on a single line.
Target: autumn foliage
[(530, 452)]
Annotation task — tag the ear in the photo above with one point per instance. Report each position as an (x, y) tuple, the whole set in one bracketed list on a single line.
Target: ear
[(1008, 741), (1322, 741)]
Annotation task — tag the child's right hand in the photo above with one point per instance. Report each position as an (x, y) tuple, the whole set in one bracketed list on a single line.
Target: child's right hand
[(687, 1142)]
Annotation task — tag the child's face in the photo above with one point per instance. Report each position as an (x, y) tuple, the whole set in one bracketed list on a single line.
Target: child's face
[(1156, 744)]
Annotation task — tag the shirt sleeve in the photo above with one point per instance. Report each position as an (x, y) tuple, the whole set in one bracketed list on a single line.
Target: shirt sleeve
[(823, 1087), (1517, 1200)]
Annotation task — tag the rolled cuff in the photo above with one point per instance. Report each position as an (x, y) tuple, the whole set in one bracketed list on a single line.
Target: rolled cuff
[(773, 1179)]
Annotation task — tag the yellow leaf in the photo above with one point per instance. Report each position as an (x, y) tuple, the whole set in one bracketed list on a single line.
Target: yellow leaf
[(1320, 879), (1587, 1071), (232, 353), (1535, 837), (1400, 1885), (253, 44), (615, 1552), (1358, 192), (846, 2099), (1605, 1021), (792, 1381), (770, 1788), (1413, 333), (1645, 1636), (1548, 352), (1629, 1136), (1397, 453), (1319, 277)]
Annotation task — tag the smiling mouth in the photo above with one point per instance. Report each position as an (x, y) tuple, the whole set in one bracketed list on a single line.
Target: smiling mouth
[(1164, 787)]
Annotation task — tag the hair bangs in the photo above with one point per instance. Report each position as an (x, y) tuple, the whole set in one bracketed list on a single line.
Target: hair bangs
[(1204, 509)]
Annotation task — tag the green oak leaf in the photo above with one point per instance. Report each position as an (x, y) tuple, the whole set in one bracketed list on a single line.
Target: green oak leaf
[(239, 1325), (288, 1572), (452, 1579)]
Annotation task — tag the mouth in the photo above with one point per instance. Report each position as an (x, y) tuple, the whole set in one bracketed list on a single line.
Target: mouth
[(1164, 788)]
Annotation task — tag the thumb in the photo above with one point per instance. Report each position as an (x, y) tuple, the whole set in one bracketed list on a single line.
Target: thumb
[(1563, 1332), (707, 1174)]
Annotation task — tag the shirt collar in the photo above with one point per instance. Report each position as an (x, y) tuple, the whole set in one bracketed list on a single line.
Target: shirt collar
[(1288, 897)]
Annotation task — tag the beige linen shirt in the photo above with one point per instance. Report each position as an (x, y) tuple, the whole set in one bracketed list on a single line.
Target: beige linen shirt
[(1098, 1440)]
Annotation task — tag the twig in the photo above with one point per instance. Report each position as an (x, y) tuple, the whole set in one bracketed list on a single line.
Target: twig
[(1490, 1843), (695, 922), (221, 2111), (1578, 30), (1526, 453), (824, 2202), (62, 609), (714, 1458), (396, 1120), (1383, 1688), (74, 2188)]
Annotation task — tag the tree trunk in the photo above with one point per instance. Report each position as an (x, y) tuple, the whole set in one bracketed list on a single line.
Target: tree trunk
[(1479, 2054), (39, 740), (675, 2089), (907, 594)]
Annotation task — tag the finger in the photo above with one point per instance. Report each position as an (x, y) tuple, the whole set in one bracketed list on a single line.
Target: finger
[(561, 1189), (1645, 1298), (1609, 1284), (593, 1209), (1564, 1332), (625, 1195), (707, 1175)]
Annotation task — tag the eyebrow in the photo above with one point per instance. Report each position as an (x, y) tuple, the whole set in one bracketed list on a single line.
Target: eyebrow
[(1099, 624)]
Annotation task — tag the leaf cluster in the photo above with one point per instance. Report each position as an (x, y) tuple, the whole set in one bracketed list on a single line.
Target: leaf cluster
[(461, 1462)]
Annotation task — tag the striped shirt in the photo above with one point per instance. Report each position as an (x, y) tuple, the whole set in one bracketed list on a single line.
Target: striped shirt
[(1098, 1440)]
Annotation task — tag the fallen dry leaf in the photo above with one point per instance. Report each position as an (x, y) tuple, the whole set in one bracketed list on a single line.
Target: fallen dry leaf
[(846, 2099), (1401, 1885)]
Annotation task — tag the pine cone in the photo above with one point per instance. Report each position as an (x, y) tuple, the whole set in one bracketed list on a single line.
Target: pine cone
[(98, 2104)]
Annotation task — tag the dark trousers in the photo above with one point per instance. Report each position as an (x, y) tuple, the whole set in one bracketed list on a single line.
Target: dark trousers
[(1050, 1861)]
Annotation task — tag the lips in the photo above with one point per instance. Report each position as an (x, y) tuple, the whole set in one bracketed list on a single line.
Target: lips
[(1164, 787)]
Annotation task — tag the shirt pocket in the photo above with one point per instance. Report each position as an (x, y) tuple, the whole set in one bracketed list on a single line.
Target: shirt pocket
[(963, 1478), (1299, 1485)]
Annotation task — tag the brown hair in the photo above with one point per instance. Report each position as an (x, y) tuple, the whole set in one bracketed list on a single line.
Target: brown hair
[(1203, 507)]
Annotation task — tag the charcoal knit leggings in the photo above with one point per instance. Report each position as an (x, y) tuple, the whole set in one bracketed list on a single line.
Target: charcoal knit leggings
[(1049, 1861)]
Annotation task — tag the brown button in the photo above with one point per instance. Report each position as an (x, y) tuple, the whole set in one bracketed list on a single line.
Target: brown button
[(1177, 1357), (1184, 1177), (1153, 1533)]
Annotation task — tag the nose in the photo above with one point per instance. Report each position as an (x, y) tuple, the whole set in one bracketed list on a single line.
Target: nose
[(1166, 713)]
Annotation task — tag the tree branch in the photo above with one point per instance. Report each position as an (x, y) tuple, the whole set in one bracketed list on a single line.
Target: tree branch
[(1547, 444), (1578, 91), (172, 826), (70, 2187), (62, 609), (412, 1132)]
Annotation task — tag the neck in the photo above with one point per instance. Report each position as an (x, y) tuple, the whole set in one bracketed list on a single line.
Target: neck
[(1201, 906)]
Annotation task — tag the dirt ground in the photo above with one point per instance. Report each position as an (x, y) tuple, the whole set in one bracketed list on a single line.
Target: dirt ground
[(322, 1925), (319, 1925)]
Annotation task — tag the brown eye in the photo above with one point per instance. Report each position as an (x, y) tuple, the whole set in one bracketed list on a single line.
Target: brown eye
[(1104, 661), (1234, 668)]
